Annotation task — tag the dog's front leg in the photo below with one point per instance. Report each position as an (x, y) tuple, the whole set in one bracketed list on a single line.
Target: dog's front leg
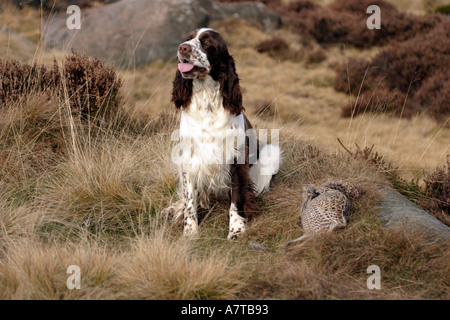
[(190, 208), (238, 225), (184, 210)]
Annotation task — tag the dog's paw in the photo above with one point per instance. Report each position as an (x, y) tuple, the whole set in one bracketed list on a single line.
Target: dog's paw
[(235, 234), (238, 227), (168, 213), (174, 212), (203, 201)]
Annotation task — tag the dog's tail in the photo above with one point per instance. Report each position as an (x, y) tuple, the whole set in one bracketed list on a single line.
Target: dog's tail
[(262, 171)]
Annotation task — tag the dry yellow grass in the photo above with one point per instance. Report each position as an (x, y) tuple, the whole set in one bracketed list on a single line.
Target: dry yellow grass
[(30, 269), (156, 268), (152, 267)]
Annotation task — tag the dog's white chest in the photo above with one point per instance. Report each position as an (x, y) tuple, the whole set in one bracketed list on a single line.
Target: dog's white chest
[(208, 138)]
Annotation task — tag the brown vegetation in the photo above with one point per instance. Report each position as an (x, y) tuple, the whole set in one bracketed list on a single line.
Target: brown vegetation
[(272, 46), (344, 22), (405, 78), (437, 190), (417, 48), (91, 87), (433, 196)]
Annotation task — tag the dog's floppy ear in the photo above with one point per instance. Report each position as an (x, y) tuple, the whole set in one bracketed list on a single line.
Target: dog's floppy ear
[(181, 91), (229, 85)]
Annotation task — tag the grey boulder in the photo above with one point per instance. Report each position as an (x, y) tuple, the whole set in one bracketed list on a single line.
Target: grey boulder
[(135, 32)]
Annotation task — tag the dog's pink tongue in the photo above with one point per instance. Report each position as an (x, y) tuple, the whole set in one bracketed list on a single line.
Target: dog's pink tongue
[(185, 67)]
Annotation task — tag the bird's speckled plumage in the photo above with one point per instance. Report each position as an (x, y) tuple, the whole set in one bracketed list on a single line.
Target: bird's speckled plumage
[(326, 207)]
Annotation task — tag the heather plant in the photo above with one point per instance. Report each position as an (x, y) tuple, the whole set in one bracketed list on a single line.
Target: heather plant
[(344, 22), (434, 96), (437, 189), (275, 44), (405, 78), (90, 86), (378, 101), (17, 79)]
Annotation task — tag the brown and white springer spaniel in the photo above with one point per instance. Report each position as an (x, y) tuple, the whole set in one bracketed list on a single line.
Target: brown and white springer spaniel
[(218, 150)]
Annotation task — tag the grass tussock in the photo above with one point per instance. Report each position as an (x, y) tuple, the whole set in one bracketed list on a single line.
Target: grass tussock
[(112, 185), (402, 266), (158, 268), (31, 132), (148, 268), (30, 269)]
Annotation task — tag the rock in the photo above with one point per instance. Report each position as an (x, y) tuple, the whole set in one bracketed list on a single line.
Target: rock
[(397, 212), (135, 32), (251, 11), (15, 46)]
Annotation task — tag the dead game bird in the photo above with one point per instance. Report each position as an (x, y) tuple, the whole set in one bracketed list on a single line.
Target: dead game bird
[(326, 207)]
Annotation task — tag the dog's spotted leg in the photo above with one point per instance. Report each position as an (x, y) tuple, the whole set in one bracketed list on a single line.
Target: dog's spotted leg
[(184, 211), (175, 212), (238, 226), (190, 209)]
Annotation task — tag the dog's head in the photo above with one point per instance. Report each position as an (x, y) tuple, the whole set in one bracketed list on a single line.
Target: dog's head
[(202, 54), (205, 54)]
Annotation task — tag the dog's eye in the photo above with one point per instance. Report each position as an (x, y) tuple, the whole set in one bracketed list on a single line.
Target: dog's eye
[(205, 42)]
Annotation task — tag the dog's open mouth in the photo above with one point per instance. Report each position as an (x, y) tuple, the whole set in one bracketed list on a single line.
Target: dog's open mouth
[(187, 67)]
